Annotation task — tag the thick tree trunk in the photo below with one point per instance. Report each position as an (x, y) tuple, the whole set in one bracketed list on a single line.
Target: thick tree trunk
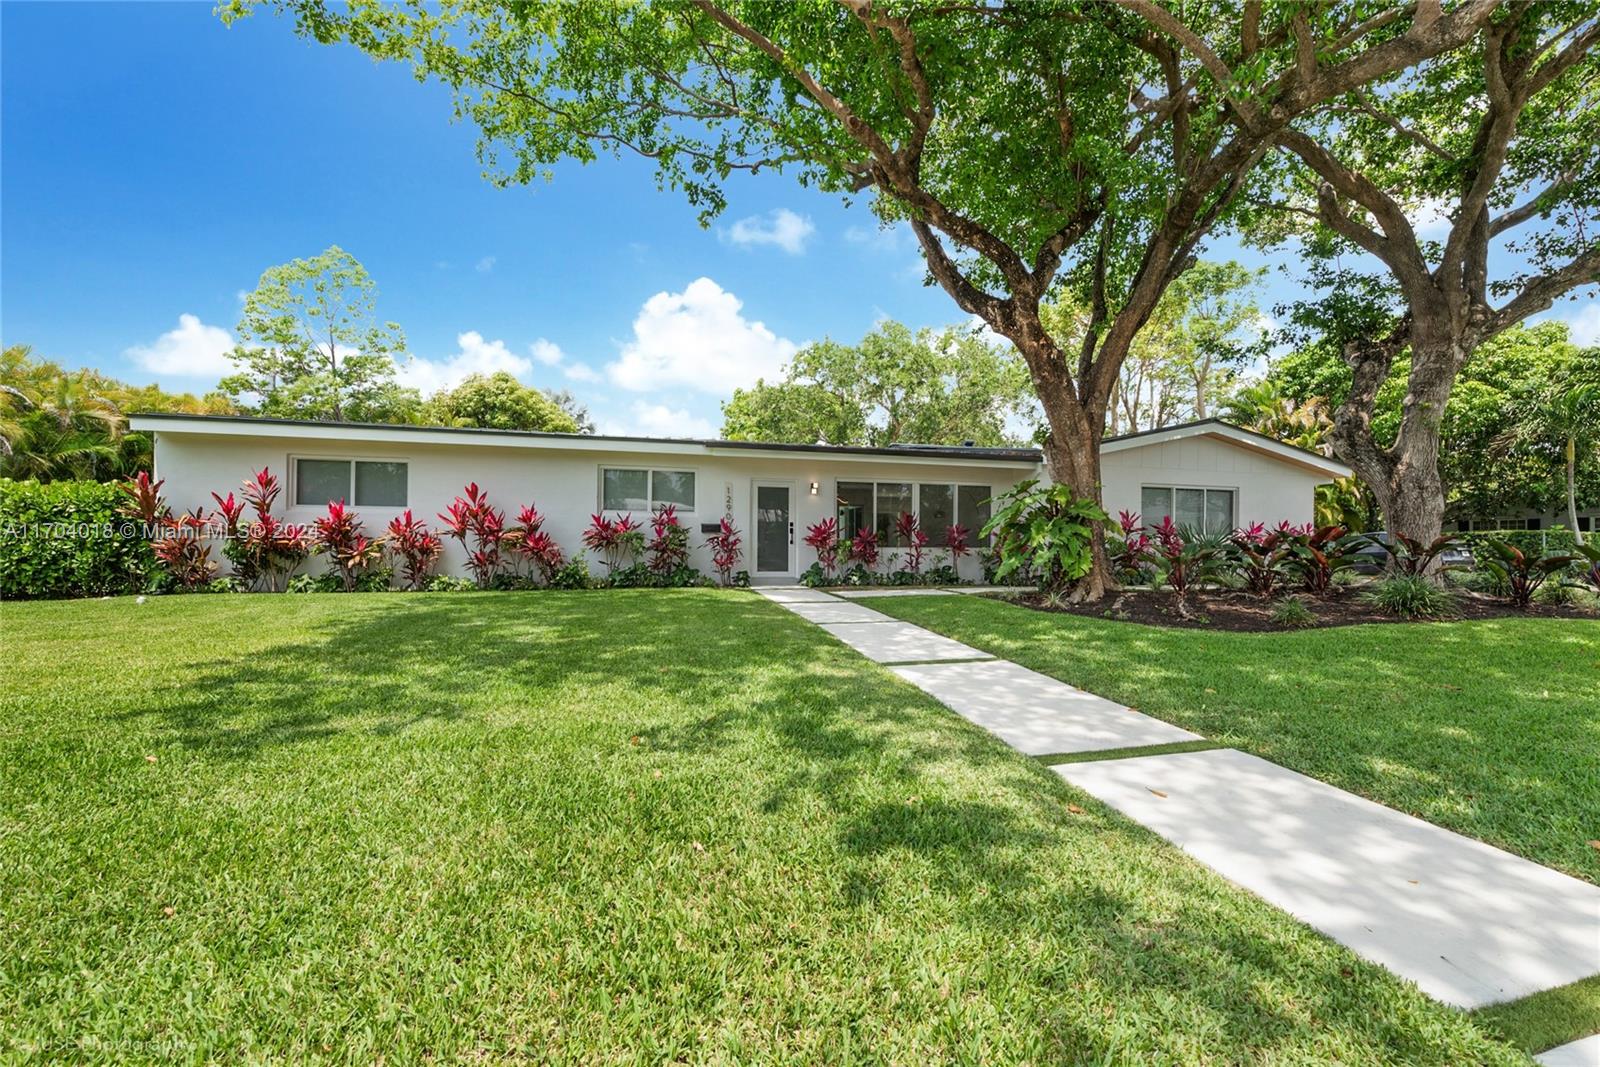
[(1072, 456)]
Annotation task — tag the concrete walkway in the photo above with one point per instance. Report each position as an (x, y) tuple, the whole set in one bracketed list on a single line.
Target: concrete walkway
[(1468, 923), (1584, 1052)]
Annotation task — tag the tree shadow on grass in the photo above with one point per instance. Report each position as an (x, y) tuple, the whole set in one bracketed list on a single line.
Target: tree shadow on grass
[(796, 721)]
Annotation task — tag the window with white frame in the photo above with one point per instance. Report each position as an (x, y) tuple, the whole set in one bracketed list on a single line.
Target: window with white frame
[(1211, 510), (641, 489), (876, 506), (361, 483)]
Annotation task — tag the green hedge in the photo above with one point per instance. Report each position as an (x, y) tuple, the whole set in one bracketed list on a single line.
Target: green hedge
[(1530, 542), (65, 539)]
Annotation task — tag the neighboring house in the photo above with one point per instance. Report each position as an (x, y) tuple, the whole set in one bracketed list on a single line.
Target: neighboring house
[(1210, 472)]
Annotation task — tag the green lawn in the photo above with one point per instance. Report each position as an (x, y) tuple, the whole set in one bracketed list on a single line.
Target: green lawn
[(596, 827), (1489, 728)]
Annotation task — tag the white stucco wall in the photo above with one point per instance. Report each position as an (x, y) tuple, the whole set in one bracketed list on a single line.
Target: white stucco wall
[(564, 485), (1269, 489)]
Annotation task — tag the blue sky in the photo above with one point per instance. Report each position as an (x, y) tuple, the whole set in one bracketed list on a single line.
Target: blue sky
[(156, 161)]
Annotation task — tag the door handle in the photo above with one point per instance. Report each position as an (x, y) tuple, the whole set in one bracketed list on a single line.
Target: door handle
[(791, 533)]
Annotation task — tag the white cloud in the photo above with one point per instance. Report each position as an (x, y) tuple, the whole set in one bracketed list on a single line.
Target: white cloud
[(477, 356), (1583, 326), (484, 265), (780, 227), (657, 420), (698, 339), (193, 350), (581, 372), (547, 352)]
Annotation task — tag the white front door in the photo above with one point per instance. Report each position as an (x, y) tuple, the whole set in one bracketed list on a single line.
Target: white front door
[(774, 528)]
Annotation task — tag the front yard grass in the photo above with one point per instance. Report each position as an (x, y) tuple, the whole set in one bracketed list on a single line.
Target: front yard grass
[(1490, 728), (596, 827)]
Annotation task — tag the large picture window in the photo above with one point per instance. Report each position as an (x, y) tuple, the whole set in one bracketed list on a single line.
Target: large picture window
[(361, 483), (636, 489), (876, 506), (1210, 510)]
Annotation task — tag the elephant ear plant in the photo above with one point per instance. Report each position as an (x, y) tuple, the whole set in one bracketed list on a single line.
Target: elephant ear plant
[(1520, 573)]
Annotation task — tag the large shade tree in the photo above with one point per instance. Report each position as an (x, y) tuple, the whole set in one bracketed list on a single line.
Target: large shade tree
[(1031, 146), (1484, 157)]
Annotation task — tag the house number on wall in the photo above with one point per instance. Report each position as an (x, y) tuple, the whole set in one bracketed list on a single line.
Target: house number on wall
[(727, 500)]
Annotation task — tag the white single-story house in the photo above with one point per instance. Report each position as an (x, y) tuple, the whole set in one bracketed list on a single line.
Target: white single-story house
[(1206, 472)]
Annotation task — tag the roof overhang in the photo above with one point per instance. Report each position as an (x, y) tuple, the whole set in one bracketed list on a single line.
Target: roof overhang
[(1311, 462), (448, 436)]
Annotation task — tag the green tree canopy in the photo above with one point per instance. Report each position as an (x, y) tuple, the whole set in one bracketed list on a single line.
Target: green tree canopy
[(1083, 144), (311, 346), (896, 386), (498, 402)]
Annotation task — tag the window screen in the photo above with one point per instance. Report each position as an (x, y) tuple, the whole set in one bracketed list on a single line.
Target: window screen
[(318, 482), (1155, 504), (380, 484), (936, 509), (893, 498), (624, 490), (672, 487), (972, 511), (855, 507), (1219, 510)]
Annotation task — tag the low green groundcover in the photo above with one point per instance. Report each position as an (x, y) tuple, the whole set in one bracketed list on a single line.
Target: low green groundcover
[(636, 826)]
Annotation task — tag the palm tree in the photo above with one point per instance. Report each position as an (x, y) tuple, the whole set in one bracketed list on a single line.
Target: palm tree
[(1574, 415)]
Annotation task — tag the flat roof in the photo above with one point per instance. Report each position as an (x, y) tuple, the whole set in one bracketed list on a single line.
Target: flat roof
[(606, 442)]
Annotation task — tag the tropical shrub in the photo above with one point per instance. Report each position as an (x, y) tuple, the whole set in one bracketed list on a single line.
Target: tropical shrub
[(1045, 531), (1412, 596), (1321, 552), (1262, 557), (863, 549), (1408, 557), (342, 536), (531, 544), (1589, 564), (944, 574), (1291, 614), (266, 551), (908, 529), (417, 548), (71, 539), (1188, 556), (449, 583), (479, 526), (182, 547), (1521, 572), (1132, 555), (669, 542), (823, 539), (619, 541), (725, 550), (958, 539)]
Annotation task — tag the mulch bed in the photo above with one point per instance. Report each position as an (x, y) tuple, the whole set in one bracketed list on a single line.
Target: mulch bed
[(1247, 614)]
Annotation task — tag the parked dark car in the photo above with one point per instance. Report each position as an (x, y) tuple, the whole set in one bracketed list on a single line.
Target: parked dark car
[(1370, 558)]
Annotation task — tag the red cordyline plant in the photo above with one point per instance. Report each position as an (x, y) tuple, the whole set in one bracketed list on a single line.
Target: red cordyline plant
[(864, 548), (1186, 562), (908, 529), (725, 550), (341, 535), (479, 526), (417, 548), (669, 542), (179, 544), (529, 543), (823, 538), (616, 539), (266, 551), (1318, 554), (958, 539)]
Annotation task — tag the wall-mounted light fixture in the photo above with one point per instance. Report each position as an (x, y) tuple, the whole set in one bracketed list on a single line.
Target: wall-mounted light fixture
[(813, 488)]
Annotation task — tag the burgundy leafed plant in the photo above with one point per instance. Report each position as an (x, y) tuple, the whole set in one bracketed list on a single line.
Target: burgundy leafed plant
[(341, 535), (1264, 555), (615, 539), (528, 541), (669, 542), (864, 548), (417, 548), (145, 502), (266, 551), (479, 526), (823, 538), (908, 529), (182, 549), (725, 550)]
